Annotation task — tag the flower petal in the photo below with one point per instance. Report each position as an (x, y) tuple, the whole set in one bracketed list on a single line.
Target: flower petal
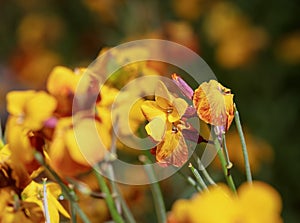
[(151, 110), (156, 128), (162, 96), (173, 150), (16, 101), (214, 104), (179, 107)]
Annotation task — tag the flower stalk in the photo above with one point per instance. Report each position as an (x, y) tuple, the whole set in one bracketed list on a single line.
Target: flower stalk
[(222, 158), (157, 195), (198, 177), (117, 218), (45, 201), (204, 171), (243, 142)]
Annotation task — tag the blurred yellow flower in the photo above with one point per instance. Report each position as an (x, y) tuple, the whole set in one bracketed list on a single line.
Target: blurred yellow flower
[(190, 10), (33, 31), (14, 210), (12, 172), (28, 111), (255, 203), (62, 83), (288, 49), (33, 66), (34, 193), (66, 154), (214, 104), (164, 126), (30, 108), (237, 41)]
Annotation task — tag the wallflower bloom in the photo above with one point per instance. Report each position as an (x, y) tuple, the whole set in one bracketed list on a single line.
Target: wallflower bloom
[(33, 193), (14, 210), (62, 83), (164, 126), (28, 110), (214, 104), (67, 157), (31, 108), (257, 203)]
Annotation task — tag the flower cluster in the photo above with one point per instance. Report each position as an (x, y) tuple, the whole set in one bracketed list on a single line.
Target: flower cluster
[(254, 203), (54, 133), (168, 117)]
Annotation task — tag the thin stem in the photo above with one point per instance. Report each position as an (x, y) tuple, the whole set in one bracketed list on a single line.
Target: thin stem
[(224, 165), (45, 201), (243, 142), (71, 196), (127, 213), (119, 200), (73, 212), (156, 192), (198, 177), (229, 163), (204, 172), (108, 197), (191, 181)]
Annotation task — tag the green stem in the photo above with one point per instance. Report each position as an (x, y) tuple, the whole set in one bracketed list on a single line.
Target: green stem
[(224, 165), (156, 192), (243, 142), (204, 172), (119, 200), (229, 163), (108, 197), (198, 177), (70, 195), (190, 180), (127, 213)]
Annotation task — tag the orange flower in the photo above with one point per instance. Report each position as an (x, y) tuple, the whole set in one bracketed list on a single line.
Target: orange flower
[(257, 203), (214, 104), (165, 126), (67, 157)]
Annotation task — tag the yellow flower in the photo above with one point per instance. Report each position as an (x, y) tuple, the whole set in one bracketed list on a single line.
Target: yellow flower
[(62, 83), (14, 210), (12, 172), (28, 112), (68, 157), (257, 203), (34, 193), (164, 126), (31, 108), (214, 104), (237, 41)]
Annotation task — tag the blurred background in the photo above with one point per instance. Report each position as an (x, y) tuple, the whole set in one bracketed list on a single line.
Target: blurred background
[(252, 46)]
